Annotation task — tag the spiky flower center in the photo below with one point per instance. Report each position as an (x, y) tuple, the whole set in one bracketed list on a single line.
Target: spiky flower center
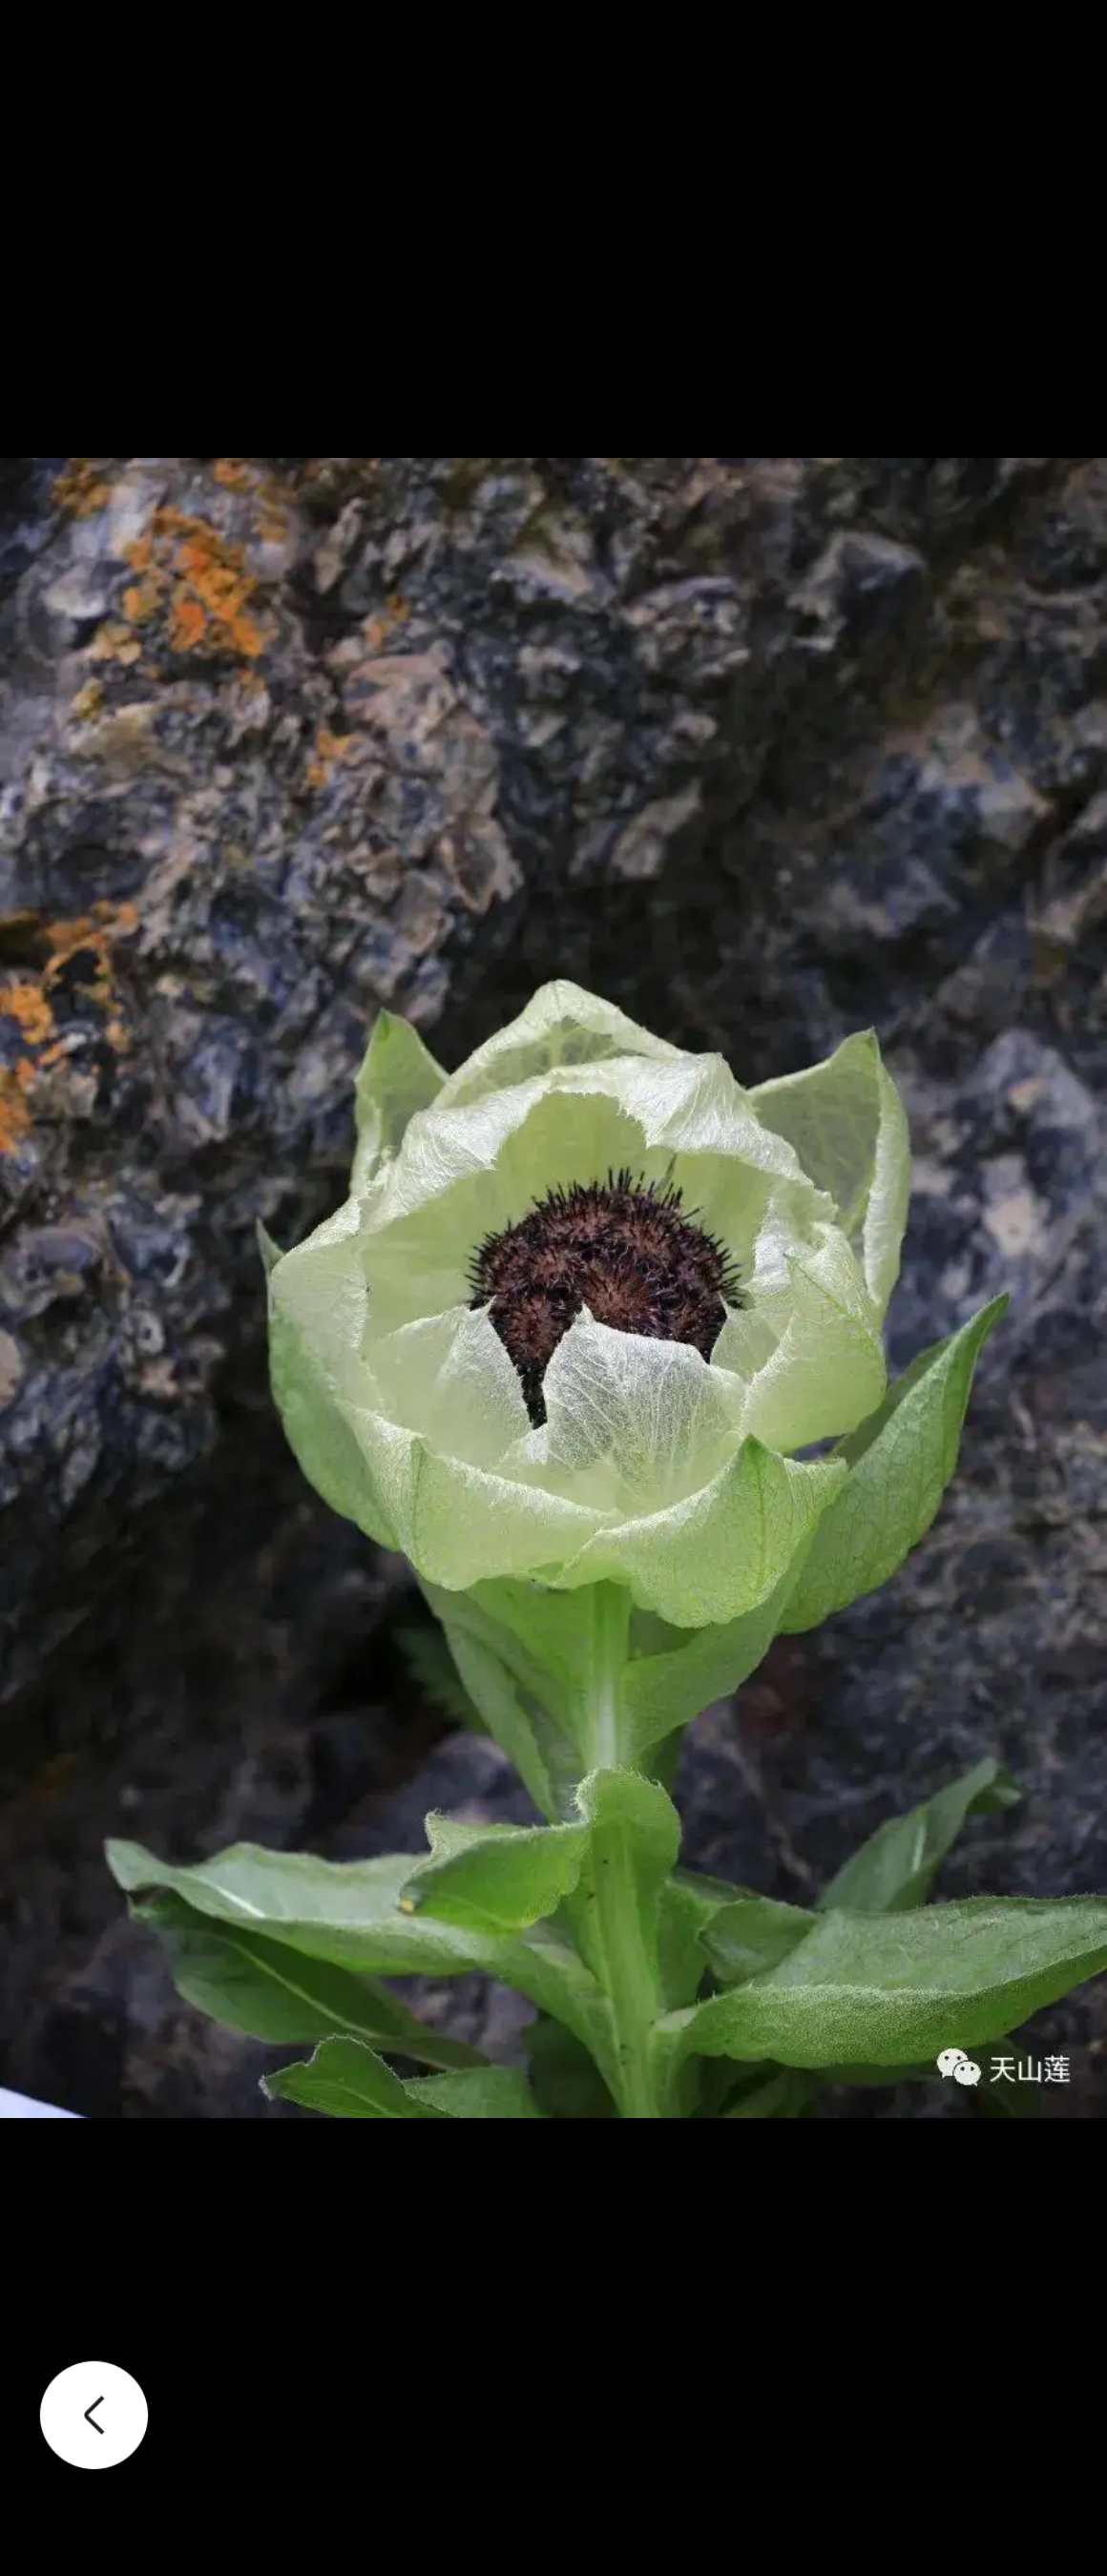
[(625, 1249)]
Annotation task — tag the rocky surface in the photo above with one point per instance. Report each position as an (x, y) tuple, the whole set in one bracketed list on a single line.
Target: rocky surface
[(765, 748)]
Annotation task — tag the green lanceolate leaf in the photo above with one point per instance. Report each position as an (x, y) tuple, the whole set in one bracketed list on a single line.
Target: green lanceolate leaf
[(689, 1903), (900, 1462), (346, 2080), (896, 1867), (895, 1989), (494, 1878), (485, 2093), (345, 1911), (516, 1719), (664, 1688), (349, 1912), (752, 1934), (534, 1664), (259, 1985), (527, 1659)]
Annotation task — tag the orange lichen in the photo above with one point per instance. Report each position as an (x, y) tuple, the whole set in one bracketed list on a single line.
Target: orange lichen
[(140, 601), (88, 700), (194, 588), (81, 488), (329, 747), (15, 1117), (212, 595), (187, 621), (96, 931), (27, 1004)]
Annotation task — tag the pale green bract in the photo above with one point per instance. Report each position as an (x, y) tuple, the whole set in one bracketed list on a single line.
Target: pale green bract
[(660, 1479)]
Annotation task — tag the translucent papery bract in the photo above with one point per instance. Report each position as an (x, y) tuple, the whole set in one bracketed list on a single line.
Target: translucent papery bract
[(825, 1371), (458, 1522), (632, 1423), (321, 1288), (317, 1313), (655, 1468), (720, 1551), (561, 1025), (469, 1171), (848, 1126), (397, 1077), (449, 1377)]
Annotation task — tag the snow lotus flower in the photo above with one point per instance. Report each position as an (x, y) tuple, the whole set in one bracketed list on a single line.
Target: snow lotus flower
[(587, 1306)]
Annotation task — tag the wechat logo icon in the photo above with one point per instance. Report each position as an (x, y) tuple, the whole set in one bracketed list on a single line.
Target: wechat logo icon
[(964, 2070)]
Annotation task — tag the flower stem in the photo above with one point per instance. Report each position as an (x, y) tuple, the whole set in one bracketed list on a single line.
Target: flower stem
[(610, 1615), (621, 1955), (628, 1975)]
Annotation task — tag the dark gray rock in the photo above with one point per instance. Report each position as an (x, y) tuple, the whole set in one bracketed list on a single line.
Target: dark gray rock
[(765, 748)]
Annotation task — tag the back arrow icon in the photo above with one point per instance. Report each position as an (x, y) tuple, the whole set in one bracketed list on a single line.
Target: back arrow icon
[(90, 2411)]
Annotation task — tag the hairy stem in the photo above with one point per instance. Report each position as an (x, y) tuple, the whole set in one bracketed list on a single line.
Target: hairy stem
[(619, 1950), (628, 1975)]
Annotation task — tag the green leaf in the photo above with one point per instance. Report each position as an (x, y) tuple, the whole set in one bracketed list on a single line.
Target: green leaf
[(751, 1934), (259, 1985), (535, 1662), (495, 1878), (900, 1462), (349, 1912), (528, 1659), (663, 1690), (866, 2076), (896, 1867), (346, 2080), (633, 1843), (345, 1911), (895, 1989), (485, 2093), (398, 1076), (690, 1901)]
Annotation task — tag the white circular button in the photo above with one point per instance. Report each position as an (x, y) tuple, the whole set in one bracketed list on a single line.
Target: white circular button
[(93, 2415)]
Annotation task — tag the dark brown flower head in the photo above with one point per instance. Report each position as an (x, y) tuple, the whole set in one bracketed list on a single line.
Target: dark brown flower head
[(625, 1249)]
